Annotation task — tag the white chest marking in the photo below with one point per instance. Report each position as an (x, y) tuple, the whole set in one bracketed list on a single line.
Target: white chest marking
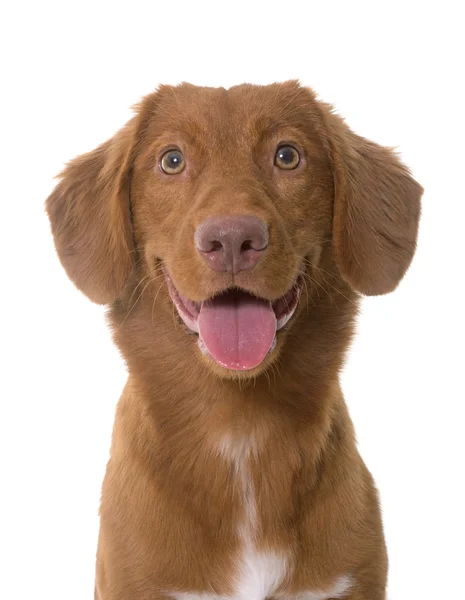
[(258, 574)]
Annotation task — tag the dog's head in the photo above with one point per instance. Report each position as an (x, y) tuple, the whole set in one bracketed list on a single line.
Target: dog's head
[(235, 195)]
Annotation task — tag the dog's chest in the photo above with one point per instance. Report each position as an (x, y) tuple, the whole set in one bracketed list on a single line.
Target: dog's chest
[(258, 574)]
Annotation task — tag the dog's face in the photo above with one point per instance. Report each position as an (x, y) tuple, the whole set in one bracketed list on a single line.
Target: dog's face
[(232, 194), (235, 195)]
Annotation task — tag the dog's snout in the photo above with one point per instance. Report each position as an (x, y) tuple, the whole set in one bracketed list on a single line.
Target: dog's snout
[(233, 243)]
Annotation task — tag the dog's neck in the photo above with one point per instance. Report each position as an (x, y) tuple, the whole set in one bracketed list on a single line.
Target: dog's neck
[(198, 431)]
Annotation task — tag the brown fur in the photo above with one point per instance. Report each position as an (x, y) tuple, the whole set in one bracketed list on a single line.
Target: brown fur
[(170, 502)]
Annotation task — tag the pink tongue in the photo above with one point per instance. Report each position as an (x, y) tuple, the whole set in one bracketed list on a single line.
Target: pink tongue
[(237, 329)]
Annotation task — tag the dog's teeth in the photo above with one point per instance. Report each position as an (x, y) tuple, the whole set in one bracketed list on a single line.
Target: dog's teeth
[(283, 320), (273, 345), (202, 347)]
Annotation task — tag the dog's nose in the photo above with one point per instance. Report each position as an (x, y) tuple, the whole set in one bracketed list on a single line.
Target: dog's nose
[(231, 244)]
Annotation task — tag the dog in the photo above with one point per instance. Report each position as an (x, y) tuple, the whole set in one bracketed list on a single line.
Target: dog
[(231, 233)]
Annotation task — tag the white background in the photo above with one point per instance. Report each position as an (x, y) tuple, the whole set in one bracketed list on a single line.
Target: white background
[(70, 71)]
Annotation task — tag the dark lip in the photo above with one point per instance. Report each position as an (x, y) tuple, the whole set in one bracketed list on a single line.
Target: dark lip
[(284, 307)]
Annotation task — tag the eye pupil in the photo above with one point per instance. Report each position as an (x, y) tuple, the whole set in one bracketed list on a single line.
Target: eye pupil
[(287, 157), (172, 162)]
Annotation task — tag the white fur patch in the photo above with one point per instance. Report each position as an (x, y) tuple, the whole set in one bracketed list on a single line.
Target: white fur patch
[(259, 574), (237, 450)]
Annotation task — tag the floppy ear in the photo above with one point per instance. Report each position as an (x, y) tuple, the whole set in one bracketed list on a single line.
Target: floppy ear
[(376, 211), (89, 212)]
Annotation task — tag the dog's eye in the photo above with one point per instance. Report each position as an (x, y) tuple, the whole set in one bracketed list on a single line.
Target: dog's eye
[(287, 157), (172, 162)]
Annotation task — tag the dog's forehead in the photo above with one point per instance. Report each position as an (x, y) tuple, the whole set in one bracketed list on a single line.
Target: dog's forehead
[(245, 109)]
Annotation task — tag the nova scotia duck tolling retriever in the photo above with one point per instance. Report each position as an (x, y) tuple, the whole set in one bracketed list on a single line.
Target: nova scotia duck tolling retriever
[(231, 232)]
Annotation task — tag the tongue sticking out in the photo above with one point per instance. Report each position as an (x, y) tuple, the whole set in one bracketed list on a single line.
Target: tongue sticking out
[(237, 329)]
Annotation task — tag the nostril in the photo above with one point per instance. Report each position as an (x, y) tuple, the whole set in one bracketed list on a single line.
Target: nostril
[(257, 245), (215, 246)]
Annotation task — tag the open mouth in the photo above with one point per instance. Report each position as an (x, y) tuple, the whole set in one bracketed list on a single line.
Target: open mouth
[(238, 330)]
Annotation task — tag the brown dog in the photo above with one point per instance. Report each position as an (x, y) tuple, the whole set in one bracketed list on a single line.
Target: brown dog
[(231, 231)]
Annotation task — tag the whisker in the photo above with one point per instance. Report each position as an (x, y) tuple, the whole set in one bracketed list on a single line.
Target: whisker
[(137, 287), (322, 272), (155, 299), (314, 281), (135, 303)]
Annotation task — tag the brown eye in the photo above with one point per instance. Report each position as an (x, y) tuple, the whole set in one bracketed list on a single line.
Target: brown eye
[(172, 162), (287, 157)]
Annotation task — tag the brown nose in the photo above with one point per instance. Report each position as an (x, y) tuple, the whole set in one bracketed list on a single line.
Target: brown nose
[(231, 244)]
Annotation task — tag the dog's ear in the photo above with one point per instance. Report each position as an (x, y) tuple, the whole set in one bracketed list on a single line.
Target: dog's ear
[(89, 212), (376, 210)]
